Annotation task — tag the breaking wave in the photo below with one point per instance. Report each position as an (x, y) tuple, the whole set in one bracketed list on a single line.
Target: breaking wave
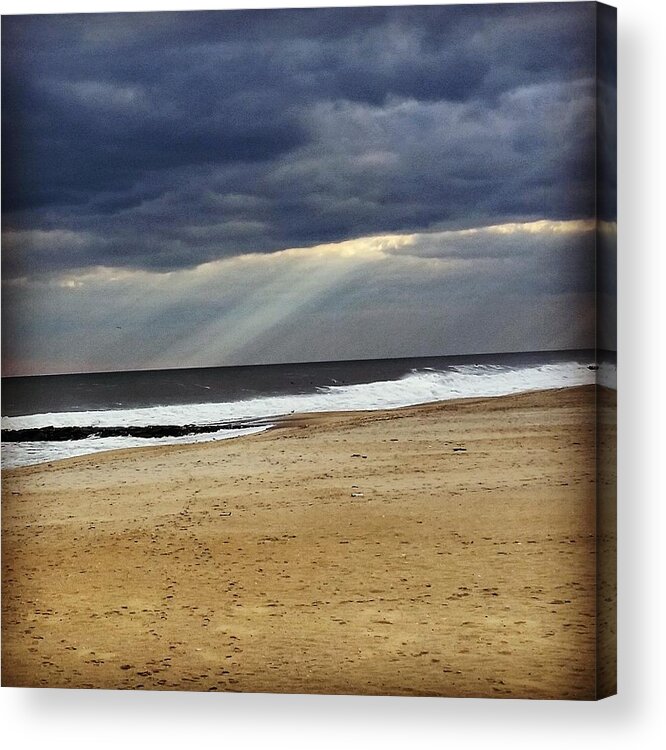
[(234, 418)]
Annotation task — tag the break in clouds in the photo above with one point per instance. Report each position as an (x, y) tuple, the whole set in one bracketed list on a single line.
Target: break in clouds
[(185, 189)]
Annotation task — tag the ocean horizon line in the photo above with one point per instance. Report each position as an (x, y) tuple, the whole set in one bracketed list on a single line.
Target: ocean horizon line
[(580, 350)]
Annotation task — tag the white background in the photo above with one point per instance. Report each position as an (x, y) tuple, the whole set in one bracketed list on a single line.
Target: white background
[(99, 719)]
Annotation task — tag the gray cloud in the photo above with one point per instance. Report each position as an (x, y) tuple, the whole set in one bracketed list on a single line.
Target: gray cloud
[(177, 138), (160, 172)]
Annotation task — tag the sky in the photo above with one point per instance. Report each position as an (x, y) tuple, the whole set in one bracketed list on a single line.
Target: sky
[(238, 187)]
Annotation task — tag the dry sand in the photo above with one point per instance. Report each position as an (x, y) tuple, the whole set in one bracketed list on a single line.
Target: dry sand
[(464, 565)]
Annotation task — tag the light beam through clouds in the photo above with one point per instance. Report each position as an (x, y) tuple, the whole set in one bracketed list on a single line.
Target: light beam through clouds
[(432, 292)]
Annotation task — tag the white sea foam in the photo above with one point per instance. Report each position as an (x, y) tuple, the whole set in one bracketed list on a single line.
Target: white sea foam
[(466, 381), (607, 375), (42, 451), (418, 387)]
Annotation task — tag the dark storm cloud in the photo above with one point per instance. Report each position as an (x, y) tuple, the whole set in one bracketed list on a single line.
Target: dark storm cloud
[(166, 140), (607, 113)]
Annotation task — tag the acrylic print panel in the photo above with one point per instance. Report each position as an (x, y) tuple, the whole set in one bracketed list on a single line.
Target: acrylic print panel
[(308, 343)]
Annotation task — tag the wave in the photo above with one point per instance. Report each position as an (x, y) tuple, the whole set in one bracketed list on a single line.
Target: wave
[(43, 451), (417, 387)]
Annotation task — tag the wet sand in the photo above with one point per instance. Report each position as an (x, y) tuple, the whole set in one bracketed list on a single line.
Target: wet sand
[(447, 549)]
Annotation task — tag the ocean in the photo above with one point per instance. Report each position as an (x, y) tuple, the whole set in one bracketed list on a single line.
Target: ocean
[(49, 417)]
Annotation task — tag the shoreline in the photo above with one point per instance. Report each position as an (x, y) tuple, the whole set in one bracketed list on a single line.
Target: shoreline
[(282, 421), (442, 549)]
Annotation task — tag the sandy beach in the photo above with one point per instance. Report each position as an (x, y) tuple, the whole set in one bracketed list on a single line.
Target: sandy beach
[(447, 549)]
